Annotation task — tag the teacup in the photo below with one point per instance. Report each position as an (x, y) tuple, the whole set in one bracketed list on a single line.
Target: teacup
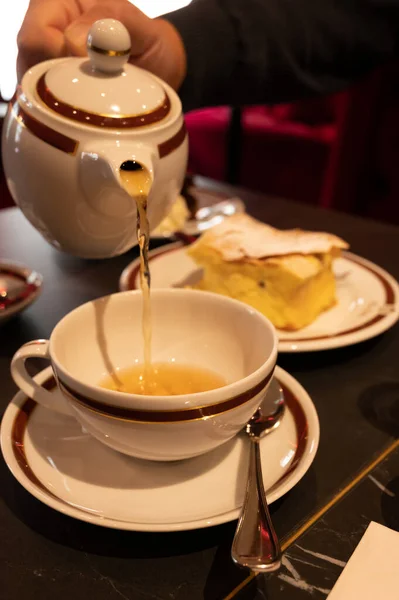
[(190, 327)]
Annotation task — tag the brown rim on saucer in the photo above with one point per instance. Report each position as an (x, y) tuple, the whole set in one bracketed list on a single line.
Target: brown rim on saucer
[(25, 412), (69, 145), (18, 433), (389, 293), (163, 416), (98, 120)]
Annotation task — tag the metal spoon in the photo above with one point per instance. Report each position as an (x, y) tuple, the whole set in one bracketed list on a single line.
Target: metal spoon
[(209, 216), (255, 543)]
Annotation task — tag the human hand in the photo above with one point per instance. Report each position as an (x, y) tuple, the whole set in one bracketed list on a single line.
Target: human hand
[(56, 28)]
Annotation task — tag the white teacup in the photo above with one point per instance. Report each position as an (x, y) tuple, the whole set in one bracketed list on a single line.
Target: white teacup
[(192, 327)]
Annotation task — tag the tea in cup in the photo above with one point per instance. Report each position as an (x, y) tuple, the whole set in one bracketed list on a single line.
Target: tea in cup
[(212, 361)]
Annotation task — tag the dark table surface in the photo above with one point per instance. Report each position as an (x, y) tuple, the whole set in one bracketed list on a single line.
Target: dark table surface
[(46, 555)]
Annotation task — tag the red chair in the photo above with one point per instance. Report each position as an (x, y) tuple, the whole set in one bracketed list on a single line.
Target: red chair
[(338, 152), (274, 150)]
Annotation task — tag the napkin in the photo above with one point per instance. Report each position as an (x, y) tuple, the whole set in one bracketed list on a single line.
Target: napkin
[(372, 572)]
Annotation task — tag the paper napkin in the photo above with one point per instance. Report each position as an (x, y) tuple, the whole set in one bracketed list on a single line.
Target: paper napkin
[(372, 572)]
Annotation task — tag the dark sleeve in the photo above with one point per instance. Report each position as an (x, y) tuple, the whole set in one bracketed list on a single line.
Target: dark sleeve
[(270, 51)]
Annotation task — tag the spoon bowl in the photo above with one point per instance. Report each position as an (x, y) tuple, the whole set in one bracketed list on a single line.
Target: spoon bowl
[(209, 216)]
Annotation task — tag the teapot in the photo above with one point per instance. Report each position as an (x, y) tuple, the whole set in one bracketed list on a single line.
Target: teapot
[(73, 125)]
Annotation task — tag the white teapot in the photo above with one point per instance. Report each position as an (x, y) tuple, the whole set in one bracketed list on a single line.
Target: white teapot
[(73, 124)]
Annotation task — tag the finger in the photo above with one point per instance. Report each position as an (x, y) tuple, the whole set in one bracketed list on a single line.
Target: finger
[(166, 57), (41, 35), (32, 51)]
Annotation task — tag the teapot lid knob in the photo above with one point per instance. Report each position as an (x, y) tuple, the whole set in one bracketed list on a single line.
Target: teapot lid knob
[(108, 45)]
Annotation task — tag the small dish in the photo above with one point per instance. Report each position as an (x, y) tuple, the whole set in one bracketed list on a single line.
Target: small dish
[(19, 287)]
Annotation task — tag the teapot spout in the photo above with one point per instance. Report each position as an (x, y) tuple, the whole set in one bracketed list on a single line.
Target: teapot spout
[(114, 176)]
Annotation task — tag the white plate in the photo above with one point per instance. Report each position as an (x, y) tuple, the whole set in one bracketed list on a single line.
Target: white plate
[(368, 298), (70, 471)]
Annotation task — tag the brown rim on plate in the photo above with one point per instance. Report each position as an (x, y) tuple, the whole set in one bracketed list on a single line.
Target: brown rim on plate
[(99, 120), (389, 294), (389, 299), (133, 273), (163, 416), (24, 413)]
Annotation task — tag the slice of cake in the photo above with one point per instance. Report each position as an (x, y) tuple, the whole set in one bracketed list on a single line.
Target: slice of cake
[(286, 275), (174, 220)]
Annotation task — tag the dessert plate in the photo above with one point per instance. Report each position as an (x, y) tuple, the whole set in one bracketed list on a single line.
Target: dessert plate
[(368, 298), (70, 471)]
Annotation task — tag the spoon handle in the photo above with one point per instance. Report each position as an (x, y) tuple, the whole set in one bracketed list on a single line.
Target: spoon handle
[(255, 543)]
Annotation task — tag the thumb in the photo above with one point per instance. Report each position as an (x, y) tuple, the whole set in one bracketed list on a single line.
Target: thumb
[(143, 31)]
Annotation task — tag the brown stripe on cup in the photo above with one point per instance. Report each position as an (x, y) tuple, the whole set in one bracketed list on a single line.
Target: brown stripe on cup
[(25, 412), (163, 416), (43, 132), (99, 120)]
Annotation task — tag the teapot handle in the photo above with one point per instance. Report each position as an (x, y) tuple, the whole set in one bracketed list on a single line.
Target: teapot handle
[(100, 178)]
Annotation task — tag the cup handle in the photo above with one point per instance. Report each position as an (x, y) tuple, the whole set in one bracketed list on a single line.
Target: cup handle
[(52, 400)]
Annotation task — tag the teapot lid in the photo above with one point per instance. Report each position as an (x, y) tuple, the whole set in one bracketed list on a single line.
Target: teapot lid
[(104, 91)]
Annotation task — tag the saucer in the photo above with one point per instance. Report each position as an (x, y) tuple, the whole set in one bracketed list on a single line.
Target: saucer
[(367, 298), (64, 467), (19, 287)]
